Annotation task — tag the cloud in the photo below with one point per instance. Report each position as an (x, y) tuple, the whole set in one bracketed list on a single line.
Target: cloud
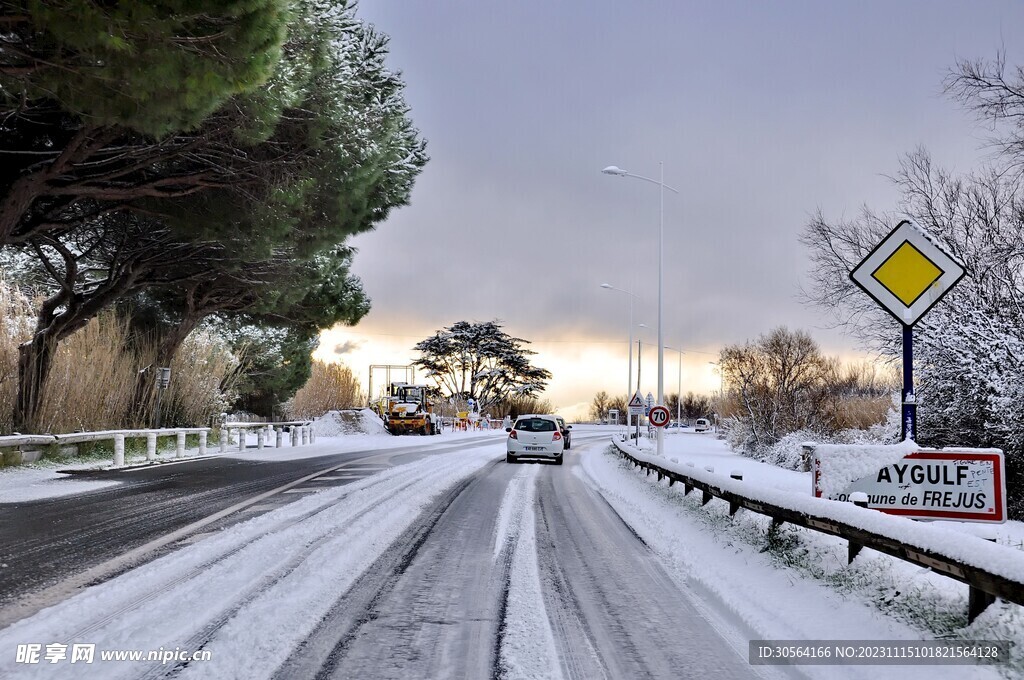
[(347, 347)]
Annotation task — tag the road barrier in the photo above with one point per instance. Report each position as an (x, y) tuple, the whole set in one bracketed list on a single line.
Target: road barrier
[(29, 451), (300, 430), (989, 570), (28, 448)]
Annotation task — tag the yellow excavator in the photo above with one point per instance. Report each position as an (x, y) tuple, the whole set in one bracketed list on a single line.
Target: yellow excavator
[(405, 410)]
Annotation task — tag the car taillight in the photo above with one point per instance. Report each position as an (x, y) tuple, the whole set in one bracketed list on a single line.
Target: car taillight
[(558, 435), (512, 435)]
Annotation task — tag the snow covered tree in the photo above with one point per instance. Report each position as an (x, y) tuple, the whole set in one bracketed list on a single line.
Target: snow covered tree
[(781, 383), (235, 216), (479, 361), (969, 349)]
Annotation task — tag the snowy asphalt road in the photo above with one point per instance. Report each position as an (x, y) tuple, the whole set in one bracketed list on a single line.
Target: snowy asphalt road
[(43, 542), (456, 565)]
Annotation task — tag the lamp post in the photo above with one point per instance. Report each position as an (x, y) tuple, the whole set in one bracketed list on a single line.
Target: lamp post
[(629, 381), (721, 390), (679, 395), (619, 172), (721, 378)]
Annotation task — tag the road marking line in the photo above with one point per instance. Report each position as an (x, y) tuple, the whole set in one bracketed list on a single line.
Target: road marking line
[(305, 489), (262, 507)]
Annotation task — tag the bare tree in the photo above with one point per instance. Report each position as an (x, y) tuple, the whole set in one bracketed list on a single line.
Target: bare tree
[(780, 381), (599, 406)]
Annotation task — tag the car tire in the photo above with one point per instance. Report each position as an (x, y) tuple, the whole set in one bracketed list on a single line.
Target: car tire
[(558, 460), (509, 458)]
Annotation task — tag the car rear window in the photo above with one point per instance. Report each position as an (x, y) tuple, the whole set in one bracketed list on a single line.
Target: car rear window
[(535, 425)]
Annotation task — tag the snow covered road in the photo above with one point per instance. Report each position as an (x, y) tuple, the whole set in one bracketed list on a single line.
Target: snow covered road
[(454, 565)]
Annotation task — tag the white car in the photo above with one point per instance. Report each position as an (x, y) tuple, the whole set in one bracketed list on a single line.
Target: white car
[(535, 436), (702, 425)]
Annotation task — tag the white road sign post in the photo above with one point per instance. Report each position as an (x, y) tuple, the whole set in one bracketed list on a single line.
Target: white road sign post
[(907, 273), (636, 408)]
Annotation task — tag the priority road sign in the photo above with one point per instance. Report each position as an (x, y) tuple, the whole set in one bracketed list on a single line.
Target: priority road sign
[(907, 273), (659, 416)]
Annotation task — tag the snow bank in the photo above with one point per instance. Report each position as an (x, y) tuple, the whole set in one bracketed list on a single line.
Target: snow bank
[(965, 548), (348, 422), (843, 464)]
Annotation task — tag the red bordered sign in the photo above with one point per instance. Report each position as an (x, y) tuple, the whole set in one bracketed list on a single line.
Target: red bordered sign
[(952, 485), (659, 416)]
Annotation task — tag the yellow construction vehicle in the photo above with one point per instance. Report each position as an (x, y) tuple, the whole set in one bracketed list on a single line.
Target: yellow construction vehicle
[(405, 410)]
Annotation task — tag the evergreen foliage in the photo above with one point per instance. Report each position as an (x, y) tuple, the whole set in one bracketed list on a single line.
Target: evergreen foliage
[(479, 361), (157, 67), (237, 204)]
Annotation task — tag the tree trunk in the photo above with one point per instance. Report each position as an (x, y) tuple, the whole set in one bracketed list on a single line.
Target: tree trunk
[(35, 358), (144, 401)]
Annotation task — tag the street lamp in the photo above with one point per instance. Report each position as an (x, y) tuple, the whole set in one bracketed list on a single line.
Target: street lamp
[(679, 396), (629, 383), (721, 379), (721, 391), (619, 172)]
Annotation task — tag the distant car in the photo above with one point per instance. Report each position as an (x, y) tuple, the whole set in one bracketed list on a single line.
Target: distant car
[(566, 435), (535, 436), (701, 425)]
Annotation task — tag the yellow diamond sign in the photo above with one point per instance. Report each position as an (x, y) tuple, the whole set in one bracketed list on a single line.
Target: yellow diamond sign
[(907, 273)]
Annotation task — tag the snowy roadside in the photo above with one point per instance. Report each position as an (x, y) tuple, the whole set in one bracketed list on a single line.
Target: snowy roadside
[(283, 569), (794, 584), (41, 480)]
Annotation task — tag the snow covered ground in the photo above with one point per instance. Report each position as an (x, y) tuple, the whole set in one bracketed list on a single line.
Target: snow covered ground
[(41, 480), (797, 584), (522, 547)]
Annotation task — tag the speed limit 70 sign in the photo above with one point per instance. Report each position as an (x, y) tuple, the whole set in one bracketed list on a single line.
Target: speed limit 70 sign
[(659, 416)]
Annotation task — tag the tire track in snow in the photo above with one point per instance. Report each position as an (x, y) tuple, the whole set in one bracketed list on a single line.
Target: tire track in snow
[(525, 642)]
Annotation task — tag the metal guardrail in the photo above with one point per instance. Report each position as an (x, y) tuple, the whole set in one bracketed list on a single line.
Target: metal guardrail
[(985, 585)]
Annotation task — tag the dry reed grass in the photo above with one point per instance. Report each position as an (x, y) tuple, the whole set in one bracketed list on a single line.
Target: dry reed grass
[(330, 387), (16, 320), (93, 379), (92, 382)]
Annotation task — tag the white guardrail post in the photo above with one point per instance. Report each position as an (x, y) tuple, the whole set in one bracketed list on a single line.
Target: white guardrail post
[(179, 449), (279, 436), (261, 432), (223, 439), (151, 446), (294, 432), (118, 450), (202, 442), (304, 433), (312, 435), (241, 439)]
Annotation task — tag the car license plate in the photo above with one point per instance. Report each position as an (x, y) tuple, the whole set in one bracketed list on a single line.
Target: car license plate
[(534, 448)]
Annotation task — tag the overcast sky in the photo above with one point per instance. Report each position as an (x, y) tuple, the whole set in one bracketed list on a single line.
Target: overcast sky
[(762, 112)]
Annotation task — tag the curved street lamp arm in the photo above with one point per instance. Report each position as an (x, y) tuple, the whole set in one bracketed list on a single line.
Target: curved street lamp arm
[(648, 179)]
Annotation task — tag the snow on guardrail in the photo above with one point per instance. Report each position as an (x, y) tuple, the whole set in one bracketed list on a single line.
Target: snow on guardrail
[(25, 445), (989, 569)]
